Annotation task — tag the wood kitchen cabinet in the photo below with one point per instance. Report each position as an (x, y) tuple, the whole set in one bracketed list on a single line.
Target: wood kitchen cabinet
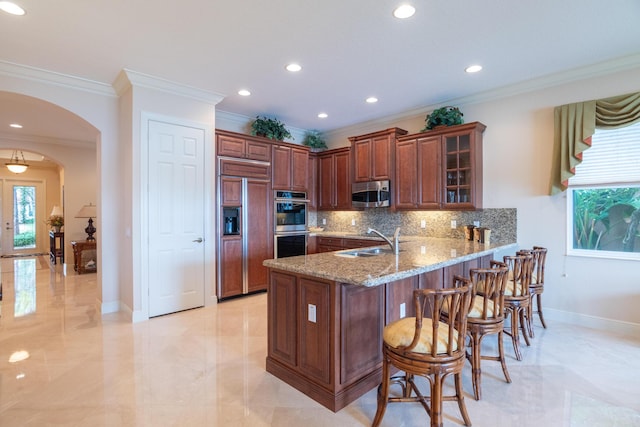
[(330, 244), (289, 166), (334, 179), (440, 169), (374, 155), (233, 144), (325, 337), (418, 175), (312, 181), (462, 166)]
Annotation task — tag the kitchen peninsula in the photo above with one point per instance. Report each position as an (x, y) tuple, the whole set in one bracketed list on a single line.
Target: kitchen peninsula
[(326, 311)]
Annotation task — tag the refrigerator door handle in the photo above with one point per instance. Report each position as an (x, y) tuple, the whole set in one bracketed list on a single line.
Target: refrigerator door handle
[(198, 240)]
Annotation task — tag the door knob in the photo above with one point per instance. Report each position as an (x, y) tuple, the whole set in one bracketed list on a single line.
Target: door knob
[(198, 240)]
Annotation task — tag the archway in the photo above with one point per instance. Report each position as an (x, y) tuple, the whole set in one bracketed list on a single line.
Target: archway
[(60, 148)]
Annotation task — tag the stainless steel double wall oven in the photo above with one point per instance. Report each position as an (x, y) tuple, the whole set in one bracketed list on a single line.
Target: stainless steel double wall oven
[(290, 223)]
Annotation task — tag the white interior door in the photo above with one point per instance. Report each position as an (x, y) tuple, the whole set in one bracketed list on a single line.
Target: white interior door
[(176, 218), (23, 214)]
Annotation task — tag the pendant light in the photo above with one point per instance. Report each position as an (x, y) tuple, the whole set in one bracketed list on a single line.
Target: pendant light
[(14, 165)]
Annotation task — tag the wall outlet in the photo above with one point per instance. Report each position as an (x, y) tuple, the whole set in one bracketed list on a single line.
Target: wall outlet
[(423, 223), (312, 313), (454, 224), (423, 250), (476, 223), (403, 310), (353, 221), (324, 221)]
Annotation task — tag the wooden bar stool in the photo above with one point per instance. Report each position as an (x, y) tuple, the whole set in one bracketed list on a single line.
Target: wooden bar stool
[(486, 316), (430, 346), (536, 288), (517, 298)]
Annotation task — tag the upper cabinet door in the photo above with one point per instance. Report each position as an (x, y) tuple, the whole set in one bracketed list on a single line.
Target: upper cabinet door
[(290, 168), (374, 155), (235, 145), (362, 160)]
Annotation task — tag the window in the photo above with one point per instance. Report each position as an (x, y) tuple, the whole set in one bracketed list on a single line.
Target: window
[(603, 198)]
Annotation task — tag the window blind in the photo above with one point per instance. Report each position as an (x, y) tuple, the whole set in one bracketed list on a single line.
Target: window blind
[(614, 158)]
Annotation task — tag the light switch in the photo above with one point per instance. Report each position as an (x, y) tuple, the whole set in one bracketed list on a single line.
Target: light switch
[(454, 224), (312, 313), (324, 221), (423, 223), (353, 221), (403, 310)]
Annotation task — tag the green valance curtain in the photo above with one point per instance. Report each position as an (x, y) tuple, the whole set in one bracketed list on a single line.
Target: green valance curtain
[(576, 123)]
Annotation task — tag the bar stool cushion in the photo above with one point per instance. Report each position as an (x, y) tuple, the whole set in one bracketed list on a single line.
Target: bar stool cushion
[(401, 332), (513, 288), (478, 306)]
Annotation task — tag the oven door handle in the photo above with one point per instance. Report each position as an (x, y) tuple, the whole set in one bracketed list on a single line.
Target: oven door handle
[(281, 200)]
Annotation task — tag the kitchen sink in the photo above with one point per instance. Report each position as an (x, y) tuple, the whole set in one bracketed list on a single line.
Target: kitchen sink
[(364, 252)]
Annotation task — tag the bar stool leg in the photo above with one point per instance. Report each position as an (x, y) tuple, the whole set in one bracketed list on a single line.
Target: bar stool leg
[(383, 393)]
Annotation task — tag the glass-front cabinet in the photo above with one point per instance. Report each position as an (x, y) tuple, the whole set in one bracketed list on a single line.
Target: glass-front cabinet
[(462, 167), (458, 168)]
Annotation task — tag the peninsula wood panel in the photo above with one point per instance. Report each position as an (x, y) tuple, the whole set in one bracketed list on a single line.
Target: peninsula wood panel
[(362, 319), (283, 318), (397, 293), (314, 328)]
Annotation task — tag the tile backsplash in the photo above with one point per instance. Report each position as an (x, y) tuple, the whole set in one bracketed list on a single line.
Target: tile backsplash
[(502, 222)]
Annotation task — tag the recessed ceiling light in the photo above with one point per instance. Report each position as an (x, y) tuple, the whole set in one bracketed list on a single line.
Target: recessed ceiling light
[(11, 8), (372, 100), (473, 68), (404, 11), (15, 125), (323, 115), (294, 68), (244, 92)]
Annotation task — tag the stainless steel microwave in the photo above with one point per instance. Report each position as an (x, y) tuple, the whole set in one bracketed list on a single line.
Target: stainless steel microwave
[(374, 194)]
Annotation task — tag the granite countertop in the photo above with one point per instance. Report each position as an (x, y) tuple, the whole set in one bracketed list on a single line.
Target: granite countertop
[(417, 255)]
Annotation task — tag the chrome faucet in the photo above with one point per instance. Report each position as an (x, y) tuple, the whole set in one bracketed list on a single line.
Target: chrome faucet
[(395, 245)]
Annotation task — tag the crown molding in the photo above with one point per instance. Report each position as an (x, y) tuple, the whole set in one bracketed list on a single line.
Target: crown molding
[(10, 69), (129, 78)]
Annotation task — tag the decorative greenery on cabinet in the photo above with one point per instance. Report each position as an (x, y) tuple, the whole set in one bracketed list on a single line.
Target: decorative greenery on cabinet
[(271, 128), (314, 140), (445, 116)]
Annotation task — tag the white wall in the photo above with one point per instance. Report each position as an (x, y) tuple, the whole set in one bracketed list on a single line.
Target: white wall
[(138, 103), (518, 144)]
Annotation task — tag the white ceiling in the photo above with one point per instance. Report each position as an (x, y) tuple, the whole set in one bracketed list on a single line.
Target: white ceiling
[(349, 50)]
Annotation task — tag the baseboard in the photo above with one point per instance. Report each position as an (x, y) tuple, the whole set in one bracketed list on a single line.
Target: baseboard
[(109, 307), (590, 321)]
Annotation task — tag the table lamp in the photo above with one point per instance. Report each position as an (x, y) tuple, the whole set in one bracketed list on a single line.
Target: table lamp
[(88, 211)]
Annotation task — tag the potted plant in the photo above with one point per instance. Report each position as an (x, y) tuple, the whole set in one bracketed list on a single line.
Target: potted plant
[(56, 221), (445, 116), (270, 128), (314, 140)]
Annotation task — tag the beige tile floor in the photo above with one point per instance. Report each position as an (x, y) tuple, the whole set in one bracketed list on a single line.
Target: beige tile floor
[(205, 367)]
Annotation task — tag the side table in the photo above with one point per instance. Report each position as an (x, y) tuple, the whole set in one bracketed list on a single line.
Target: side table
[(84, 256), (56, 246)]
